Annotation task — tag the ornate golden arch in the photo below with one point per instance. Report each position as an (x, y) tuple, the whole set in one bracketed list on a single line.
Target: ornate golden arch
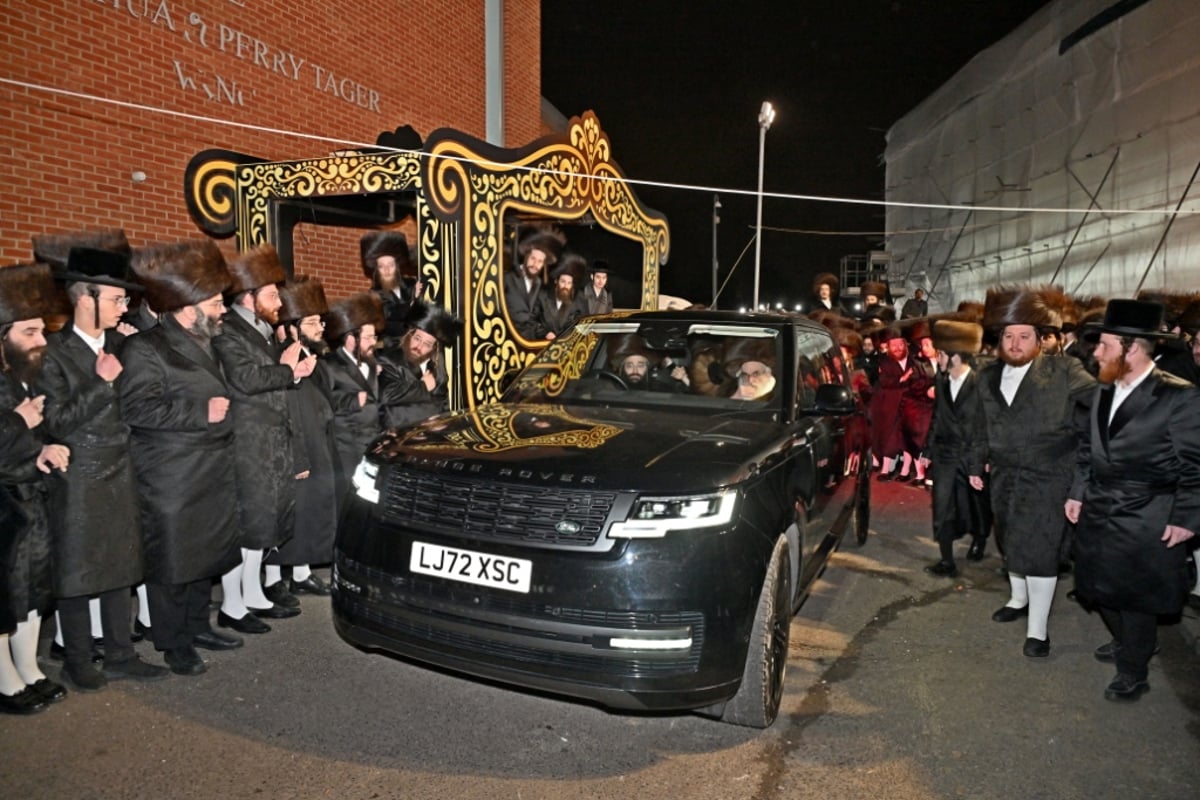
[(470, 185)]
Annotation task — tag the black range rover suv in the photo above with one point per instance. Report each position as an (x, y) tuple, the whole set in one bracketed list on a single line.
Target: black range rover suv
[(635, 523)]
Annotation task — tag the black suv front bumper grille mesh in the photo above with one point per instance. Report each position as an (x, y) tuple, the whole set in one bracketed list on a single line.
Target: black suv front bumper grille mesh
[(492, 510)]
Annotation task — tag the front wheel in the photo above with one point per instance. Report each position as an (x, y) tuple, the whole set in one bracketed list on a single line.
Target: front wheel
[(757, 701)]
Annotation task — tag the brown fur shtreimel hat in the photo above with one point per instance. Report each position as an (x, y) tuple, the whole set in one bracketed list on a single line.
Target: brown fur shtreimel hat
[(302, 297), (1016, 305), (180, 274), (28, 291), (351, 313), (255, 268), (953, 336)]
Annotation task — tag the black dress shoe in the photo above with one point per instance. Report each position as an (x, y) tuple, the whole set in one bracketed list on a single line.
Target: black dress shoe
[(211, 640), (1036, 648), (975, 552), (48, 690), (133, 669), (884, 477), (1126, 687), (24, 702), (141, 631), (1108, 652), (311, 585), (84, 677), (1010, 614), (59, 653), (943, 568), (276, 611), (247, 624), (184, 661), (278, 594)]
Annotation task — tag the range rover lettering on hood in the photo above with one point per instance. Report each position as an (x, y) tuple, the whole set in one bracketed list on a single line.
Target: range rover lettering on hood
[(542, 475)]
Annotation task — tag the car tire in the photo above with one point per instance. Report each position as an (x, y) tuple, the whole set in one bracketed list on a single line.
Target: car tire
[(860, 521), (757, 700)]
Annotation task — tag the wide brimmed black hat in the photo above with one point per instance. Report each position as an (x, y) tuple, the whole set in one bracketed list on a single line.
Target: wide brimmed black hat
[(1140, 318), (93, 265), (385, 243), (599, 265)]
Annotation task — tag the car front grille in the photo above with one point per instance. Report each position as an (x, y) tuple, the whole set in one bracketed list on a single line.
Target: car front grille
[(492, 510)]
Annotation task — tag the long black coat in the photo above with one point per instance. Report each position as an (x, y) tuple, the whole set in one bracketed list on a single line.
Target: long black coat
[(316, 517), (95, 526), (186, 476), (403, 398), (957, 508), (522, 305), (558, 319), (354, 426), (258, 390), (24, 527), (1031, 447), (1135, 477)]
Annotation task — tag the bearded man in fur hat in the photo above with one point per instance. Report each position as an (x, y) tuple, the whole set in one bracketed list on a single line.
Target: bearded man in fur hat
[(95, 522), (310, 406), (351, 330), (1031, 410), (260, 375), (412, 377), (176, 402), (27, 293), (559, 306), (388, 263), (957, 509), (1136, 495), (523, 285)]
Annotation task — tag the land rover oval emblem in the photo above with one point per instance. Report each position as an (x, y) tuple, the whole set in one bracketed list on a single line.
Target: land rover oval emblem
[(566, 527)]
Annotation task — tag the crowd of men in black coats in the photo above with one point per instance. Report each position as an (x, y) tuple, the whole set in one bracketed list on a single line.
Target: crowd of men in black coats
[(208, 434), (1070, 426)]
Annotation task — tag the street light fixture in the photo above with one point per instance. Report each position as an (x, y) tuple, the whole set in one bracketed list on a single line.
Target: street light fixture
[(766, 116), (716, 220)]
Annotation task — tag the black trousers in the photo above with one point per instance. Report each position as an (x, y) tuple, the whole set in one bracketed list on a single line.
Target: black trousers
[(116, 607), (178, 612), (1136, 633)]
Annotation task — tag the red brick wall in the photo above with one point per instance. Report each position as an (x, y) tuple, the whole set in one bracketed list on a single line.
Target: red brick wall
[(66, 161)]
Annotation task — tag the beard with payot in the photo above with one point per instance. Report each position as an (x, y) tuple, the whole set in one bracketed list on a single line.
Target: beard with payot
[(25, 365), (1112, 370), (318, 347), (204, 326)]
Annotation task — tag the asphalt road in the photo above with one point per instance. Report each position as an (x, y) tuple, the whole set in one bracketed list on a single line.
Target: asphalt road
[(899, 686)]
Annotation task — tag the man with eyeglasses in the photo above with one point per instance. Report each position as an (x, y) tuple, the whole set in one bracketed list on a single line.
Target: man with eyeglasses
[(176, 402), (96, 534), (754, 381), (260, 375)]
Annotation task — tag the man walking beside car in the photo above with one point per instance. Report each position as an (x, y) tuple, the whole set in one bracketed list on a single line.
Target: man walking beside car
[(1030, 411), (1136, 496)]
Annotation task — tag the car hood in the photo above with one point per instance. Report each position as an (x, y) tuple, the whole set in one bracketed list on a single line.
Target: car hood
[(576, 446)]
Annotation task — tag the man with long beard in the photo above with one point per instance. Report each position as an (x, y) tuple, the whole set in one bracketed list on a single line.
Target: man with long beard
[(558, 308), (27, 293), (1136, 496), (260, 377), (523, 284), (412, 376), (1031, 409), (176, 402)]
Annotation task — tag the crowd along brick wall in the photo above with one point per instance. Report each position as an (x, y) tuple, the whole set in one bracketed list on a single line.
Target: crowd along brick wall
[(98, 94)]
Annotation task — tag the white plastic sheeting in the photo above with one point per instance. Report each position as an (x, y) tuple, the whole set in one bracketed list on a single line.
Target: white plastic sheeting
[(1113, 124)]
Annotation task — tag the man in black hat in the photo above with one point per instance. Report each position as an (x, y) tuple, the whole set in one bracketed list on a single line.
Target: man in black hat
[(94, 522), (176, 402), (596, 296), (27, 293), (523, 285), (412, 376), (1030, 409), (1136, 495), (260, 375)]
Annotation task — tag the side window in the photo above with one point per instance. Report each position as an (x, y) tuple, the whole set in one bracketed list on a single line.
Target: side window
[(818, 361)]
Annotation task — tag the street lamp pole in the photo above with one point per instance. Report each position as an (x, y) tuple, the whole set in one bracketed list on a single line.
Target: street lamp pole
[(766, 116), (716, 220)]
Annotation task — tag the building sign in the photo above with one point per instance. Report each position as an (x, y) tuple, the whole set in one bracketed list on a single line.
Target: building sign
[(241, 44)]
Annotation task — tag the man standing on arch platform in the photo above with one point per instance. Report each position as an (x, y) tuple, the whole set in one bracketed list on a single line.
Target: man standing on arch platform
[(1136, 495)]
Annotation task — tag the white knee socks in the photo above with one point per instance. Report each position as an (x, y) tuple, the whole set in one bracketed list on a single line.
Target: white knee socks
[(1020, 592), (143, 614), (10, 679), (231, 590), (24, 645), (252, 591), (1041, 596), (300, 572)]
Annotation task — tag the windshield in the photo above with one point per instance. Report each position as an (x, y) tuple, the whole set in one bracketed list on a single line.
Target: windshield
[(718, 368)]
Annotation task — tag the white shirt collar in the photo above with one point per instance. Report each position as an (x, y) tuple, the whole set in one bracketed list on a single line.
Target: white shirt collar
[(95, 343)]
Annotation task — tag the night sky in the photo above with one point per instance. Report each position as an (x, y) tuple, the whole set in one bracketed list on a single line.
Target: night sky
[(678, 85)]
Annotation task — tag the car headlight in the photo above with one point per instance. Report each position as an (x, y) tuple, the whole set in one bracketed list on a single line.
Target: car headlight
[(654, 517), (364, 480)]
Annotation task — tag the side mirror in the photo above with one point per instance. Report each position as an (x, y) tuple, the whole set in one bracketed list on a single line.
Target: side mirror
[(833, 398)]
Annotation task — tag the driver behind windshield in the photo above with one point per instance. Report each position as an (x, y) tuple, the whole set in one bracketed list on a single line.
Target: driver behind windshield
[(641, 369)]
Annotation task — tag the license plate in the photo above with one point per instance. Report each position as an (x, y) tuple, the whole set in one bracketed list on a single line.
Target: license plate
[(470, 566)]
